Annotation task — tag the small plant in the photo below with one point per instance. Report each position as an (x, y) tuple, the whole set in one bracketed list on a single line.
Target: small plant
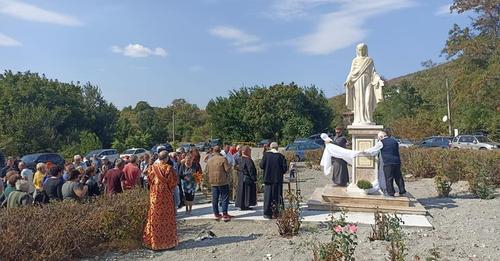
[(343, 242), (483, 187), (380, 230), (288, 217), (364, 184), (397, 249), (443, 185), (434, 255)]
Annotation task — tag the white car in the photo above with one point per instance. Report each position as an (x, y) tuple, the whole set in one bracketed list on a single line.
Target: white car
[(133, 151), (111, 154)]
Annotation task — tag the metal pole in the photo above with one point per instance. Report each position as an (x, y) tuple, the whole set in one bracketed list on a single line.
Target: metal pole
[(173, 126), (450, 129)]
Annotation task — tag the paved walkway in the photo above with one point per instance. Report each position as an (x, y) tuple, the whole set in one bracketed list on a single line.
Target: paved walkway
[(204, 212)]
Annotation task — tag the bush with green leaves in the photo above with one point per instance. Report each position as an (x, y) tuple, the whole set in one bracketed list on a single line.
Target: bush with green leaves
[(364, 184)]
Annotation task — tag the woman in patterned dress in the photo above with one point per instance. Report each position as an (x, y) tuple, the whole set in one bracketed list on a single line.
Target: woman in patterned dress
[(160, 232)]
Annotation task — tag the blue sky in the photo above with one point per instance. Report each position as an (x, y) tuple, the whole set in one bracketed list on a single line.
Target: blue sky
[(199, 49)]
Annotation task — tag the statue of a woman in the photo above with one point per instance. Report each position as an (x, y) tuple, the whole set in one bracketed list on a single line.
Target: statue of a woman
[(363, 87)]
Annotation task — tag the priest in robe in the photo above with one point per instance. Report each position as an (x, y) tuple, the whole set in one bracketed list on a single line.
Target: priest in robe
[(246, 196), (275, 166)]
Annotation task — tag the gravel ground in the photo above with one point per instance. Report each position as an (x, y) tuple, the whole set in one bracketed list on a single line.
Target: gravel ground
[(466, 228)]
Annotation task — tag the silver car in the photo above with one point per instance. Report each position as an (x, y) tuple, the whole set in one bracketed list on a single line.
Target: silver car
[(475, 142)]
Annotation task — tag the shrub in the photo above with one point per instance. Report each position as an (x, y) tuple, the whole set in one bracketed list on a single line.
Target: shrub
[(289, 156), (67, 230), (260, 177), (380, 230), (364, 184), (314, 156), (288, 218)]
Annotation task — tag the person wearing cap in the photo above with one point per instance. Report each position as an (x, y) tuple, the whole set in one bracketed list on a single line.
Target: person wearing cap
[(391, 162), (340, 173), (275, 166)]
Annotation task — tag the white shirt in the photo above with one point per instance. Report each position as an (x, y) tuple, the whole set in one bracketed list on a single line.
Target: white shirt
[(375, 149)]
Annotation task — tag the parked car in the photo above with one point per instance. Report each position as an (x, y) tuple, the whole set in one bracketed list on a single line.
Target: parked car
[(187, 146), (300, 148), (215, 142), (263, 142), (316, 138), (203, 146), (32, 159), (435, 142), (111, 154), (133, 151), (475, 142), (167, 146), (297, 140), (406, 143)]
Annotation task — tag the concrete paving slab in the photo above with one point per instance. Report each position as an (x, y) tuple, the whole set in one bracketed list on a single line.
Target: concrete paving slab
[(204, 212)]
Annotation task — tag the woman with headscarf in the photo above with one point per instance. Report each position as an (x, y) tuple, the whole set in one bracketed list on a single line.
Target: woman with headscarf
[(247, 176)]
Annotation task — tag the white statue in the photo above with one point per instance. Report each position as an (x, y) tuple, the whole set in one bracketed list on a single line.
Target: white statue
[(363, 87)]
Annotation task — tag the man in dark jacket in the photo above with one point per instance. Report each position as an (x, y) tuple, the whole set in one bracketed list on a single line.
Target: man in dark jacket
[(275, 166), (389, 152)]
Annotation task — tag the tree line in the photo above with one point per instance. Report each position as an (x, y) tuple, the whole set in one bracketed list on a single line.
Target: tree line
[(43, 115)]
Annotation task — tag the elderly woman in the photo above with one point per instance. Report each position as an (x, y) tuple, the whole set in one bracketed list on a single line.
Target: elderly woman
[(39, 176), (20, 197)]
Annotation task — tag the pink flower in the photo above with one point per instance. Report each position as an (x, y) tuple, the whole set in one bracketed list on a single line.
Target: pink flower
[(353, 228), (338, 229)]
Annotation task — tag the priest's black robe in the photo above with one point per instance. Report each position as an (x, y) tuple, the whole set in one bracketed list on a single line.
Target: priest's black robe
[(247, 191), (275, 166), (339, 166)]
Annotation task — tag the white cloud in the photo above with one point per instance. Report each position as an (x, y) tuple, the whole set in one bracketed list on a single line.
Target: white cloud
[(240, 40), (138, 51), (290, 9), (8, 41), (30, 12), (443, 10), (344, 27)]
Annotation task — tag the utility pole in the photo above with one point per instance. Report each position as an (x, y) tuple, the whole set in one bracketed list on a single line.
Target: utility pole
[(173, 126), (450, 129)]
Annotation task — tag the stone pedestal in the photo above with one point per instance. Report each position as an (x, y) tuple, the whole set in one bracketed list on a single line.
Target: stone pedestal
[(363, 137)]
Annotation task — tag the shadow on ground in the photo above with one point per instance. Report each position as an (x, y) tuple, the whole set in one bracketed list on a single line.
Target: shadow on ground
[(189, 244), (444, 202)]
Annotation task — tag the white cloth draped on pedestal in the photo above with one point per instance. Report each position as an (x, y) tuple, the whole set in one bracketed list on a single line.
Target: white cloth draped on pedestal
[(335, 151)]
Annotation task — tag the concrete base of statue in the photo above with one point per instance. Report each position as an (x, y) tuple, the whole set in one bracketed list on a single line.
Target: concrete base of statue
[(364, 137), (335, 198)]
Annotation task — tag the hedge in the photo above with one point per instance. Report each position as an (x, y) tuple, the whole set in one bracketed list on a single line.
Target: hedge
[(69, 230)]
